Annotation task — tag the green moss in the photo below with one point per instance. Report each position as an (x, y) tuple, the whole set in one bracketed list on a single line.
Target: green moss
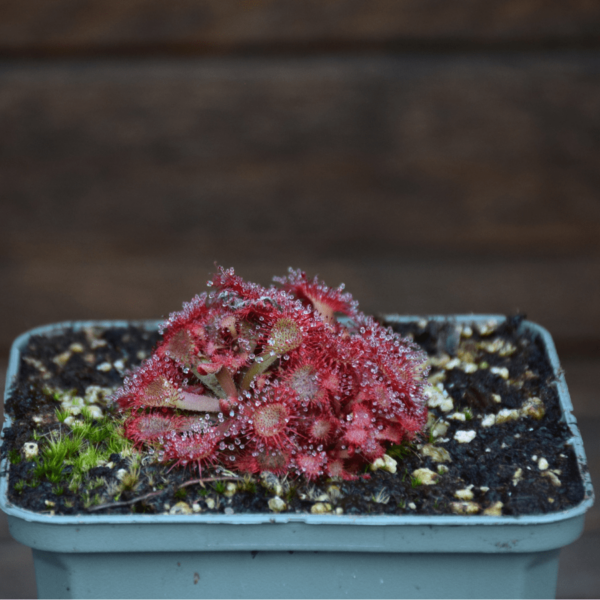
[(131, 479), (400, 451), (86, 444), (52, 459), (219, 487), (14, 456), (180, 494), (289, 495), (98, 482), (61, 415), (415, 482)]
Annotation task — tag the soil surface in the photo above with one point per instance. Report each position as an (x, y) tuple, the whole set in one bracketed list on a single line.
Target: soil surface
[(495, 443)]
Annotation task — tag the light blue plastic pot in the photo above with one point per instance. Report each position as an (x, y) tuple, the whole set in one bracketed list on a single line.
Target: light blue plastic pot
[(298, 555)]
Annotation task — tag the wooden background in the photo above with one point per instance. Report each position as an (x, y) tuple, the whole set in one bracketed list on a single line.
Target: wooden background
[(435, 156)]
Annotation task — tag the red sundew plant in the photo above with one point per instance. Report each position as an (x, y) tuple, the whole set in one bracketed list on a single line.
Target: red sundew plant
[(267, 379)]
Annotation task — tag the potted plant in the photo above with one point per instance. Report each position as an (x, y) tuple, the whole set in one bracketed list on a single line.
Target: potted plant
[(279, 442)]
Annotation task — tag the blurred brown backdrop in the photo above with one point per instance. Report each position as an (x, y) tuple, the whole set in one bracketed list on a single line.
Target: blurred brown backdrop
[(437, 157)]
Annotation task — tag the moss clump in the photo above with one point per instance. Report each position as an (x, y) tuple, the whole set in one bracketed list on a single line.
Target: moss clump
[(14, 456), (68, 453)]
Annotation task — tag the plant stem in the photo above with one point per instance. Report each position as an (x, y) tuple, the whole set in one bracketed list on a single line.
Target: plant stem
[(257, 368), (198, 403)]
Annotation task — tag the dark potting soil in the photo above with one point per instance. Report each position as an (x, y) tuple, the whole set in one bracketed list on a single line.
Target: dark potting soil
[(494, 444)]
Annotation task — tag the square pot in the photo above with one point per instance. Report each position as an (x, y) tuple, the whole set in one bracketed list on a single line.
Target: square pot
[(299, 555)]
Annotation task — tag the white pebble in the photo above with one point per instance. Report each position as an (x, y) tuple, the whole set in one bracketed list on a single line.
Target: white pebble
[(270, 481), (487, 328), (412, 505), (534, 408), (439, 429), (181, 508), (105, 367), (276, 504), (465, 508), (30, 450), (230, 489), (434, 396), (120, 474), (62, 359), (543, 464), (492, 347), (518, 475), (94, 411), (495, 510), (501, 371), (425, 476), (334, 492), (554, 480), (452, 364), (497, 398), (447, 405), (385, 463), (457, 416), (464, 494), (488, 420), (506, 414), (438, 398), (437, 454), (320, 508), (95, 394), (465, 437), (210, 503), (438, 361), (437, 377), (119, 365)]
